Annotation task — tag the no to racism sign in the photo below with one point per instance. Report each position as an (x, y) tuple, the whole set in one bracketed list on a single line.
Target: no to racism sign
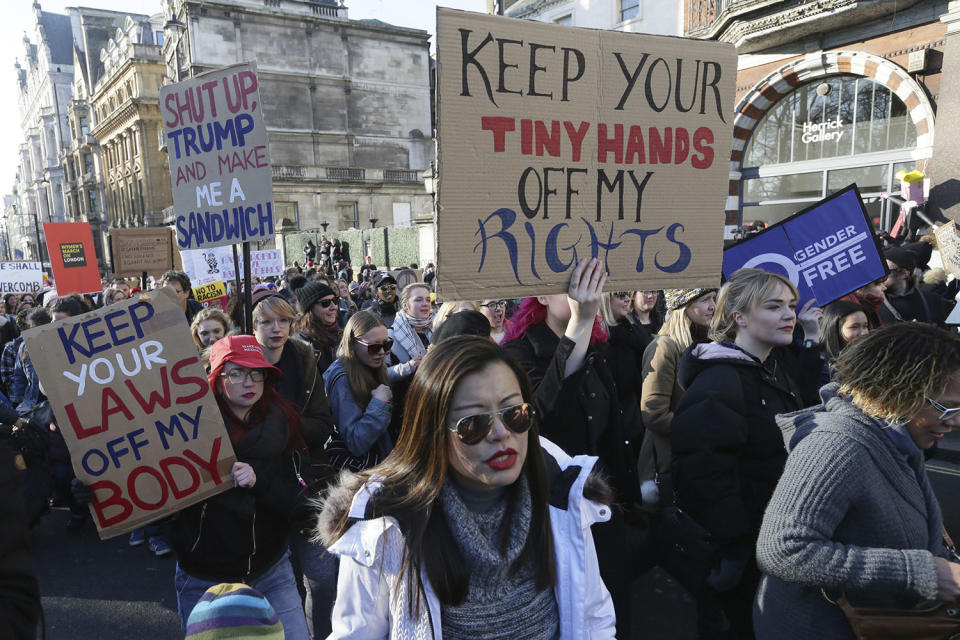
[(827, 250), (219, 158), (135, 409), (559, 143)]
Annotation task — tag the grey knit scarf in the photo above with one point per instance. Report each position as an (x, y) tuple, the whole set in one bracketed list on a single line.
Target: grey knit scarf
[(502, 600)]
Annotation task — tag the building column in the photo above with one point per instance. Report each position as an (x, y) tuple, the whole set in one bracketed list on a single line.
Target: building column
[(945, 164)]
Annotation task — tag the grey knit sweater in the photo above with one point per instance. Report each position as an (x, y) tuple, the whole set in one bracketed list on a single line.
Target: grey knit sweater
[(850, 515), (502, 600)]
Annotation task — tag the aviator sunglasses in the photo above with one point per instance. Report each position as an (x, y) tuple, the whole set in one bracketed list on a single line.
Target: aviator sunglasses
[(472, 429), (373, 348)]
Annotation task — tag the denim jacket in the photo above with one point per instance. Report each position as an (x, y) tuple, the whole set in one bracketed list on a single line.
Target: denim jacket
[(360, 428)]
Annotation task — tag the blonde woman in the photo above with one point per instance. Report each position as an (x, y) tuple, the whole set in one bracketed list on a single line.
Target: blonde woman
[(690, 313), (728, 452), (411, 331)]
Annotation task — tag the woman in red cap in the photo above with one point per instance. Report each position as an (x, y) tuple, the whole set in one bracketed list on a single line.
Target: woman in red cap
[(241, 535)]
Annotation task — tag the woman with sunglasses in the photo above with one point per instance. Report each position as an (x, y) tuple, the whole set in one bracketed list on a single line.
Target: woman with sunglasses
[(241, 535), (854, 513), (473, 527), (356, 384), (319, 321)]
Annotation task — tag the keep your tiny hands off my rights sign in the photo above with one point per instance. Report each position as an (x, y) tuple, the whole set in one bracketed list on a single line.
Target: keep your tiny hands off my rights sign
[(827, 250), (135, 409), (560, 143), (219, 158)]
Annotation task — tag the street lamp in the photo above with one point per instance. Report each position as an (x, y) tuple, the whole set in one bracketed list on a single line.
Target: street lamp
[(36, 226)]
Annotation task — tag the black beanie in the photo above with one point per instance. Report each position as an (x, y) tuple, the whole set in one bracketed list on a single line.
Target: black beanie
[(463, 323), (901, 257), (308, 294)]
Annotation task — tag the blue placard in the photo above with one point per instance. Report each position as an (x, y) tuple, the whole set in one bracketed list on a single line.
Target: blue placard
[(827, 250)]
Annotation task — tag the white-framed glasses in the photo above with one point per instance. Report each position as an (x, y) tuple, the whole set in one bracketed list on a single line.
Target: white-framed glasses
[(945, 412)]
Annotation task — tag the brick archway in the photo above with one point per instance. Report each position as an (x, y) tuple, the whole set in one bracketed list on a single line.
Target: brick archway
[(768, 91)]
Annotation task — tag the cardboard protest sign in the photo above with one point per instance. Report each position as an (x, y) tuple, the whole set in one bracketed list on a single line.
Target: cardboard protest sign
[(147, 249), (216, 263), (827, 250), (558, 143), (948, 242), (20, 277), (72, 256), (207, 292), (219, 158), (135, 409)]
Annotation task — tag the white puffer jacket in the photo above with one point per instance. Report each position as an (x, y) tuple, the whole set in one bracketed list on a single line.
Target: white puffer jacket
[(372, 592)]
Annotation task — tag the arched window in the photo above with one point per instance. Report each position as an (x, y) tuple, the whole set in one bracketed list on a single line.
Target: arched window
[(822, 137)]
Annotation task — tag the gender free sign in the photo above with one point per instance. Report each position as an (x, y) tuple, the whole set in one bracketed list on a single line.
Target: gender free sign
[(827, 250), (559, 143), (219, 158), (135, 409)]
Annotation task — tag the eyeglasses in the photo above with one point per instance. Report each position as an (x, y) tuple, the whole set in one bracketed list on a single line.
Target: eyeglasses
[(496, 304), (472, 429), (623, 295), (238, 376), (387, 287), (945, 412), (329, 301), (373, 348)]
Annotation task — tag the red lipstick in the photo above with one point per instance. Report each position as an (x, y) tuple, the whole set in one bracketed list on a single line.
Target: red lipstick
[(502, 460)]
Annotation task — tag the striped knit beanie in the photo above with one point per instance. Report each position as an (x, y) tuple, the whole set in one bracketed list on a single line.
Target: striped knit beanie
[(233, 611), (679, 298)]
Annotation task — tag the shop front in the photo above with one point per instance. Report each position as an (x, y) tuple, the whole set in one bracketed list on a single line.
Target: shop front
[(820, 124)]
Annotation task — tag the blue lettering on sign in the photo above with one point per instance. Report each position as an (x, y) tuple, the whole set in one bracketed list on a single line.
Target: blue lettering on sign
[(190, 140), (87, 345), (231, 225), (498, 227)]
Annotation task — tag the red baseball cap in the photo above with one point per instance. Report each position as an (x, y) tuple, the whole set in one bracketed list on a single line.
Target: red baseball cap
[(244, 351)]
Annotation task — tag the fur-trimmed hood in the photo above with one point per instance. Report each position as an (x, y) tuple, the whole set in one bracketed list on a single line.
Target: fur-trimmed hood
[(935, 277), (333, 506)]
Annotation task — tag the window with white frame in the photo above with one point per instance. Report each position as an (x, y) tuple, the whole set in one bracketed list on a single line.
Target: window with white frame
[(629, 9)]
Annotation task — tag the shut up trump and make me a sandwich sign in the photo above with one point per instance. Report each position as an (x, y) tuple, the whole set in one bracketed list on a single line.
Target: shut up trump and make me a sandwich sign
[(559, 143), (219, 158)]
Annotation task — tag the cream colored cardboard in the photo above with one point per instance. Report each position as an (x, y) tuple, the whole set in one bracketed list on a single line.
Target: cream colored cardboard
[(147, 249), (948, 241), (558, 143), (219, 158), (135, 408)]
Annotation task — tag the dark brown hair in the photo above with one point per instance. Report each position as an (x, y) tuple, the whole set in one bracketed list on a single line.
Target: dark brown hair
[(413, 474)]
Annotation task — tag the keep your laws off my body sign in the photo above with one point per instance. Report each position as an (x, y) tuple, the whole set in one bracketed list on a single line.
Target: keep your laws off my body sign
[(560, 143), (219, 158), (135, 409)]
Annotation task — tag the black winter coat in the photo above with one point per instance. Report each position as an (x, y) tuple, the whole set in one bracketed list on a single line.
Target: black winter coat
[(582, 413), (237, 535), (728, 452)]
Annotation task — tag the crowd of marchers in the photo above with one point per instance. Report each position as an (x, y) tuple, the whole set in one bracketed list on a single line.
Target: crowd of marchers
[(502, 468)]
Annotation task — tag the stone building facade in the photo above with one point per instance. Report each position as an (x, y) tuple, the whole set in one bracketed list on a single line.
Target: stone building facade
[(126, 110), (81, 160), (347, 104), (44, 76), (869, 71), (633, 16)]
